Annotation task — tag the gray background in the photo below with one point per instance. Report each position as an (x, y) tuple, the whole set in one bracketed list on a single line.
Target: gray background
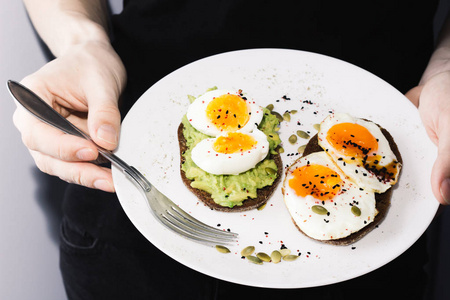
[(29, 209)]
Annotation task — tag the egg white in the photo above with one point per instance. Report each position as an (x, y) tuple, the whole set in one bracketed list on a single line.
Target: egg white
[(364, 178), (217, 163), (196, 114), (340, 222)]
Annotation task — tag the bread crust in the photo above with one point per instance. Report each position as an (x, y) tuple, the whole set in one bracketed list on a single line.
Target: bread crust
[(262, 196), (383, 200)]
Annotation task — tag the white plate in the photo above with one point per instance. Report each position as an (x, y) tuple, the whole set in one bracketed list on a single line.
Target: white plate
[(149, 142)]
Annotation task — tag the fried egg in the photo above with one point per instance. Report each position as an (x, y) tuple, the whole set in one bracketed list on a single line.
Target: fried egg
[(361, 150), (323, 202), (220, 111), (231, 153)]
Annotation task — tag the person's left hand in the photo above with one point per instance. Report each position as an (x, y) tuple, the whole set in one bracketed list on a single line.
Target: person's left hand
[(433, 100)]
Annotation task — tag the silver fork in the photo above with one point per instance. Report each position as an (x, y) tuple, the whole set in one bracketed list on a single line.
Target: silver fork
[(167, 212)]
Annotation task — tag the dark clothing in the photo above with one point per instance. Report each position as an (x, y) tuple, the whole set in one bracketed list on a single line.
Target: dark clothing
[(104, 257)]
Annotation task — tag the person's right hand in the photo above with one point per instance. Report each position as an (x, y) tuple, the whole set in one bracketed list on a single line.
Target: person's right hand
[(84, 86)]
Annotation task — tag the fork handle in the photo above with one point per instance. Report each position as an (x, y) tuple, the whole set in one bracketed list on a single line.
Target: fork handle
[(44, 112)]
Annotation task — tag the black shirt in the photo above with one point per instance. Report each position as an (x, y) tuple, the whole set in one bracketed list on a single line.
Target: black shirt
[(391, 38)]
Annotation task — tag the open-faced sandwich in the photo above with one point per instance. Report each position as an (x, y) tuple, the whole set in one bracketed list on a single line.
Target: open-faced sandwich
[(228, 151), (340, 188)]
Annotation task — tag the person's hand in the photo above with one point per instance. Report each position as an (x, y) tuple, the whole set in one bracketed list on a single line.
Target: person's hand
[(84, 86), (433, 100)]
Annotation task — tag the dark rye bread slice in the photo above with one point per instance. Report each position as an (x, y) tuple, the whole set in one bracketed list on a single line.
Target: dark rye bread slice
[(262, 194), (383, 201)]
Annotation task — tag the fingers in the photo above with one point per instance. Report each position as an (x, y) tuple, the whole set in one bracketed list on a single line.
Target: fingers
[(440, 177), (102, 96), (40, 137), (62, 155), (103, 115), (435, 113), (414, 95), (82, 173), (104, 123)]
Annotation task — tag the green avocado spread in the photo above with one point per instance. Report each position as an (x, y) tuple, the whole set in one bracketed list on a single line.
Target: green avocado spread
[(232, 190)]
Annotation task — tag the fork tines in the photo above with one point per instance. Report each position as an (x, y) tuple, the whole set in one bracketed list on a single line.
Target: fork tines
[(183, 223)]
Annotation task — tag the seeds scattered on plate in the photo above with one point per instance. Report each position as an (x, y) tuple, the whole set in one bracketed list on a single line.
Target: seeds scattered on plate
[(222, 249), (285, 252), (261, 207), (263, 256), (248, 251), (290, 257), (275, 256), (356, 211), (279, 117), (301, 149), (293, 139), (303, 134), (254, 260), (320, 210)]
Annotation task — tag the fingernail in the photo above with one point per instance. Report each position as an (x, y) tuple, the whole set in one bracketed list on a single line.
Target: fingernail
[(103, 185), (86, 154), (445, 190), (108, 134)]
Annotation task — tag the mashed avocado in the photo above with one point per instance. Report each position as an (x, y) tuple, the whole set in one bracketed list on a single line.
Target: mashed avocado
[(232, 190)]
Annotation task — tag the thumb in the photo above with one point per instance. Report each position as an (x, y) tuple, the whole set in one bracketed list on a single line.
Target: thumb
[(440, 176), (104, 119), (414, 94)]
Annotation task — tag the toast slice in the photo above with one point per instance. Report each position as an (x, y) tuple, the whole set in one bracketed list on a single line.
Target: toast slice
[(263, 193), (383, 201)]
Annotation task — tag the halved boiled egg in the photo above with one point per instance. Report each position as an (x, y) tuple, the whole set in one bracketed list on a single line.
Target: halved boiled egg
[(231, 153), (323, 202), (361, 150), (220, 111)]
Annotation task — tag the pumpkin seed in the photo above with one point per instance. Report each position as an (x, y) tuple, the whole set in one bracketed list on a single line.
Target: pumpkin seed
[(281, 150), (285, 252), (254, 260), (356, 211), (287, 116), (261, 207), (271, 171), (293, 139), (293, 112), (263, 256), (290, 257), (279, 117), (222, 249), (301, 149), (275, 256), (247, 251), (316, 127), (318, 209), (270, 107), (302, 134)]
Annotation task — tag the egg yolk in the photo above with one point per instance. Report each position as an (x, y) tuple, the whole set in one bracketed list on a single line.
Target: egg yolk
[(359, 146), (352, 140), (318, 181), (234, 142), (228, 112)]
